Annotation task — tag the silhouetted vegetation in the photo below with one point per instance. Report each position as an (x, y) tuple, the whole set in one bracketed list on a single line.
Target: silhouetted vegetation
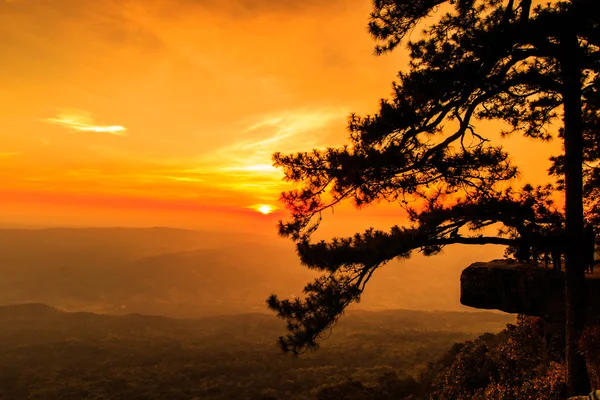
[(521, 362), (391, 355), (49, 354), (524, 66)]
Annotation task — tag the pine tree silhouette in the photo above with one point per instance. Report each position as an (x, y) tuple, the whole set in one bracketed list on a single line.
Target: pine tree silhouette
[(476, 60)]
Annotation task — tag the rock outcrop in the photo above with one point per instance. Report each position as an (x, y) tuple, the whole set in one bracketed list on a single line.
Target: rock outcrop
[(528, 289)]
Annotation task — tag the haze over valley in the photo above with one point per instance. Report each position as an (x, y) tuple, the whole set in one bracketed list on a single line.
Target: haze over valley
[(184, 273)]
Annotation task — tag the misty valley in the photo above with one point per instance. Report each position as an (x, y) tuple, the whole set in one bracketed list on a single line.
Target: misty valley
[(186, 273), (157, 271)]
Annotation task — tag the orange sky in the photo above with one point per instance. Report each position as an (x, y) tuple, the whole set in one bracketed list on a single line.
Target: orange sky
[(166, 112)]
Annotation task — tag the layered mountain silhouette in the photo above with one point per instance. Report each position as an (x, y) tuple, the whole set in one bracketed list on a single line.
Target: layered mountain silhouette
[(182, 273)]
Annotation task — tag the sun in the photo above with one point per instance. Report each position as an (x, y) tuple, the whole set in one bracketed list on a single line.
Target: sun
[(264, 208)]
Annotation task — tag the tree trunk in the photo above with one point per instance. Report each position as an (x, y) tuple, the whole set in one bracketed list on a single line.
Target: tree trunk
[(575, 293)]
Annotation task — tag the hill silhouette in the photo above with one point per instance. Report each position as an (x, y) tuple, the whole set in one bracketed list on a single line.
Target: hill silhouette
[(185, 273)]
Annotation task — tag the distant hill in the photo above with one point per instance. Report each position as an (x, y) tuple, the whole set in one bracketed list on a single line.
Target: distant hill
[(47, 319), (106, 244), (156, 270), (185, 273)]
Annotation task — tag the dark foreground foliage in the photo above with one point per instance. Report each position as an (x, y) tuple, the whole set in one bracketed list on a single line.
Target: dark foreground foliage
[(524, 361), (46, 354)]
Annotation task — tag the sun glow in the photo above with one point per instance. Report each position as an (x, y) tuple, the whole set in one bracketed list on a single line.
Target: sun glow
[(264, 208)]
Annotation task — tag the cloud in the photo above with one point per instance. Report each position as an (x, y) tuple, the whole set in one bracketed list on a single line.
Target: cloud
[(285, 127), (245, 166), (266, 122), (83, 122), (296, 130)]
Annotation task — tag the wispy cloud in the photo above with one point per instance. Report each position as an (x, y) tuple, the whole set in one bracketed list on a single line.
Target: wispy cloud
[(266, 122), (296, 130), (286, 126), (82, 121), (245, 166)]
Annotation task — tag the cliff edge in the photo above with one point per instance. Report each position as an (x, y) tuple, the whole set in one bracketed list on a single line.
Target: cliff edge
[(514, 287)]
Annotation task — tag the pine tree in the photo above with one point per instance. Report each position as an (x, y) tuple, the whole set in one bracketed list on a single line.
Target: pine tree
[(531, 67)]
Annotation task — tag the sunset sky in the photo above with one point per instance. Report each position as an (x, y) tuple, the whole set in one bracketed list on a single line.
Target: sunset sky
[(167, 112)]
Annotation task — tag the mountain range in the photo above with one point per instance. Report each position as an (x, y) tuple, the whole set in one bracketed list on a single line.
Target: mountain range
[(184, 273)]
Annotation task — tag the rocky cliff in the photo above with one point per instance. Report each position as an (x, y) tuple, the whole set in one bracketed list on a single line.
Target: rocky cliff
[(528, 289), (515, 287)]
